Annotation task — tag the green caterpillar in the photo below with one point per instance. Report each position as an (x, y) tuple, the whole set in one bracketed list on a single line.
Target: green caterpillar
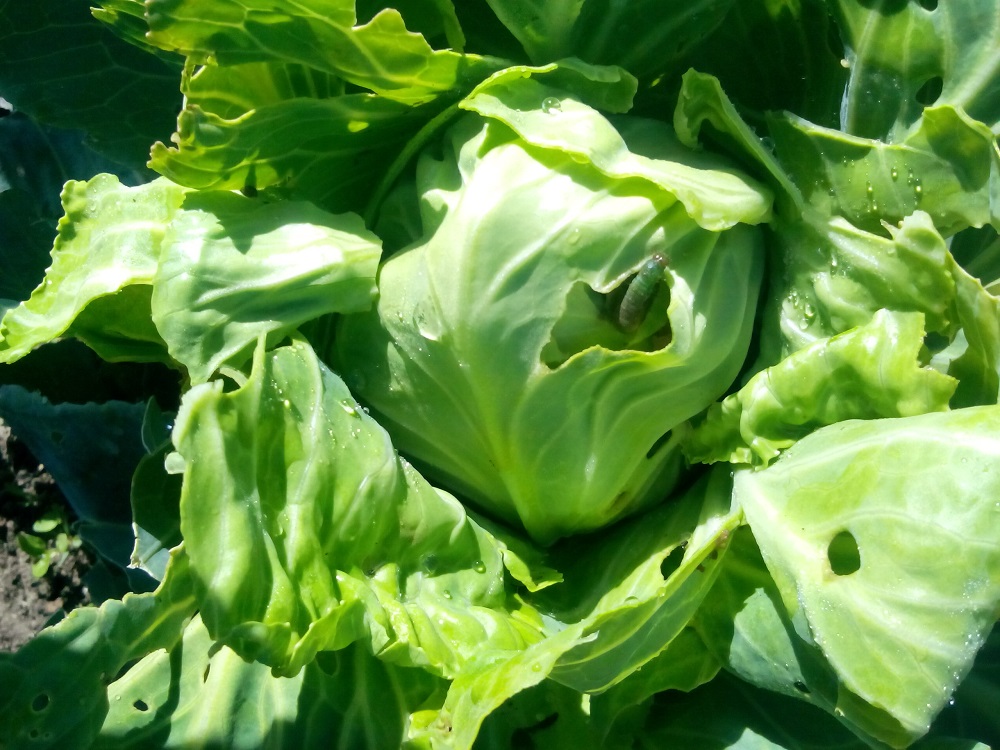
[(639, 295)]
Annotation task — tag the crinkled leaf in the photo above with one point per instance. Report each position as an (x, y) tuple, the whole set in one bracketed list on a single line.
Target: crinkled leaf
[(235, 90), (653, 582), (331, 538), (943, 167), (837, 276), (903, 56), (491, 307), (974, 356), (331, 151), (235, 268), (175, 698), (109, 240), (380, 55), (866, 373), (64, 68), (881, 538)]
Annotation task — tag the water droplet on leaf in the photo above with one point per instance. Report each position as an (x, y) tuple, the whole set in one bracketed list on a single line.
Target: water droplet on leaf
[(551, 105)]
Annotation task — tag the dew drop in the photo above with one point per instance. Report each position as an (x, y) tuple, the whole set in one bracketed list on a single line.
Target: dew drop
[(480, 567), (446, 594), (349, 408), (894, 174), (551, 105)]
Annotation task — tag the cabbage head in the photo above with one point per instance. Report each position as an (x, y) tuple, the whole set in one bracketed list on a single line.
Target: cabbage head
[(496, 356)]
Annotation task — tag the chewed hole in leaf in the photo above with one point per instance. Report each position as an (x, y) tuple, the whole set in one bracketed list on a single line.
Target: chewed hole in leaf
[(801, 687), (928, 4), (671, 562), (843, 554), (584, 323), (40, 703), (140, 705), (930, 91)]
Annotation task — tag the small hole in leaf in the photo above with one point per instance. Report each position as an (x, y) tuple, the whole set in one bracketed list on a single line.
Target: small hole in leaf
[(40, 703), (671, 562), (930, 91), (801, 687), (140, 705), (844, 555), (204, 677)]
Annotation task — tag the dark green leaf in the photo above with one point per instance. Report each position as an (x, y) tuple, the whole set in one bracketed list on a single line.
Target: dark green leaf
[(64, 68)]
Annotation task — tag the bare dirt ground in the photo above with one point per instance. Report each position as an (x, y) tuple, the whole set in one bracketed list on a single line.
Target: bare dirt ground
[(28, 603)]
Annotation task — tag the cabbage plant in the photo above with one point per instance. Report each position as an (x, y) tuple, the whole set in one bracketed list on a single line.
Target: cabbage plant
[(505, 375)]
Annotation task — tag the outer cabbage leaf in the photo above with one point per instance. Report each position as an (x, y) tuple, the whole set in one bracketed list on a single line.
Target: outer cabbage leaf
[(380, 55), (881, 538), (66, 69), (866, 373), (944, 167), (234, 268), (328, 150), (109, 240), (903, 56), (728, 714), (602, 630), (53, 692), (593, 30), (491, 356), (93, 474), (330, 537), (801, 71), (175, 698)]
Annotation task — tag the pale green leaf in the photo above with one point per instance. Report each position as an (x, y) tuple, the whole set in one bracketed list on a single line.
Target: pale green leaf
[(904, 56), (881, 537), (109, 239), (865, 373), (235, 268), (380, 55), (332, 538), (491, 307)]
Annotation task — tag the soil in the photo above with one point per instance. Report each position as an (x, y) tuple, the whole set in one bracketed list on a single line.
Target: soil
[(28, 603)]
